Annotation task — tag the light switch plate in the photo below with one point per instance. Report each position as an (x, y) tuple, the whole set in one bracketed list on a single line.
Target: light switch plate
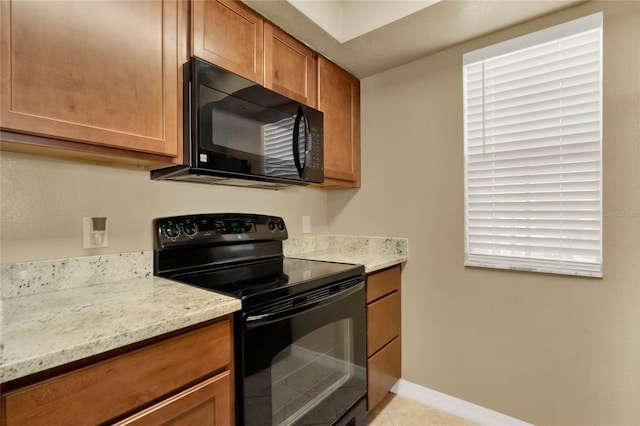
[(306, 224)]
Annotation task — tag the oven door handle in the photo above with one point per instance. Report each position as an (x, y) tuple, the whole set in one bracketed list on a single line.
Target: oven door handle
[(266, 318)]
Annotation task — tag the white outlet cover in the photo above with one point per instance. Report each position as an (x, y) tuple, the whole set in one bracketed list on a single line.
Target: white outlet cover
[(306, 224), (86, 235)]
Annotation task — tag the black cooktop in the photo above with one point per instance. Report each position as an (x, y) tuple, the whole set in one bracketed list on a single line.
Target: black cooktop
[(241, 255), (270, 280)]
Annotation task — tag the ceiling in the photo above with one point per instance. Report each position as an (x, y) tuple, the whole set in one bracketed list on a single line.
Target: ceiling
[(422, 32), (344, 19)]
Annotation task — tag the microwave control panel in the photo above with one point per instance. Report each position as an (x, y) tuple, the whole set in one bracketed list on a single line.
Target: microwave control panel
[(316, 158)]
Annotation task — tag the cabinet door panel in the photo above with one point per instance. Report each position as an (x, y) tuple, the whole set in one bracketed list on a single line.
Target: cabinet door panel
[(339, 100), (208, 403), (229, 34), (104, 73), (291, 66), (383, 371)]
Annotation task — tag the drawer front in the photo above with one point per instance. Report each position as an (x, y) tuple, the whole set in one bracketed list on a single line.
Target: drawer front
[(383, 370), (383, 322), (382, 283), (110, 388)]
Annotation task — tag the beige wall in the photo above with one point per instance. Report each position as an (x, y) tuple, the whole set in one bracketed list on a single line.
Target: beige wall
[(547, 349), (42, 202)]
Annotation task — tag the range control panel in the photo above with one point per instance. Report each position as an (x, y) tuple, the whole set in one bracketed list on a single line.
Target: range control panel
[(215, 228)]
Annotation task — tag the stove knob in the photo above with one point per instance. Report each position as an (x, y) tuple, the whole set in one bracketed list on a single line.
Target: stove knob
[(172, 232), (281, 225), (271, 224), (191, 229)]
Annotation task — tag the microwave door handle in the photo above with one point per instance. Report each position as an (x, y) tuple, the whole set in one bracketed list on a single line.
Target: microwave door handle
[(296, 142)]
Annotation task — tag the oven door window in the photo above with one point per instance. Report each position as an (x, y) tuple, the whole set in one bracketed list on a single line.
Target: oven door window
[(307, 367), (310, 370), (253, 138)]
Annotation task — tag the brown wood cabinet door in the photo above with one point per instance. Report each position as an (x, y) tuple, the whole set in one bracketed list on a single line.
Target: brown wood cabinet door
[(103, 73), (383, 371), (208, 403), (339, 100), (229, 34), (290, 66)]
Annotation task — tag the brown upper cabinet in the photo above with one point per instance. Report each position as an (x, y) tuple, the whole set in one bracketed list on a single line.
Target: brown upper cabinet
[(98, 74), (339, 100), (229, 34), (290, 66)]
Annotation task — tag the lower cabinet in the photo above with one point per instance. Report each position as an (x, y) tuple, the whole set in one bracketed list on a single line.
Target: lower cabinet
[(383, 333), (186, 378), (207, 403)]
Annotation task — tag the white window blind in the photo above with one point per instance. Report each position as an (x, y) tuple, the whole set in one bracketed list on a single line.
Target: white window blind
[(533, 142)]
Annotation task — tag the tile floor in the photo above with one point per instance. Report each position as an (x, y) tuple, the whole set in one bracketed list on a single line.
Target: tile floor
[(396, 410)]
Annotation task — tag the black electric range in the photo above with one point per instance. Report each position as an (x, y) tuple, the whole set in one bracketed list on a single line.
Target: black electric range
[(299, 339)]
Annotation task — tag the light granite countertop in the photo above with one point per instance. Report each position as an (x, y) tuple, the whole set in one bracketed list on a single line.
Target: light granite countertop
[(371, 262), (375, 253), (58, 311), (51, 328)]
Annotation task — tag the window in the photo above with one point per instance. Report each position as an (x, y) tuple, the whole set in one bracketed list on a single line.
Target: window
[(533, 151)]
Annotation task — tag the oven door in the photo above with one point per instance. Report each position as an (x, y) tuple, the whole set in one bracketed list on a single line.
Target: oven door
[(304, 359)]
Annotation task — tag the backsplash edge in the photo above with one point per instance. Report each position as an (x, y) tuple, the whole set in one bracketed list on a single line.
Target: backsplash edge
[(42, 276)]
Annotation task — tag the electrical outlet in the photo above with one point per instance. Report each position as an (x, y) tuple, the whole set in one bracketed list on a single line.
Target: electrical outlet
[(306, 224), (94, 232)]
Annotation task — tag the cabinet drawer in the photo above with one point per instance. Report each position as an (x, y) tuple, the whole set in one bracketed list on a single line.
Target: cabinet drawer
[(382, 283), (383, 322), (383, 370), (110, 388), (207, 403)]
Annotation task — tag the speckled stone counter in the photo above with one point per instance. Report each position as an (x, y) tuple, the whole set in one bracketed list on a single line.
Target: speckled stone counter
[(68, 322), (58, 311), (374, 253), (26, 278)]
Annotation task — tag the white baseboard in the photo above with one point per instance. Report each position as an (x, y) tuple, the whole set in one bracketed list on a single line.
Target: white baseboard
[(455, 406)]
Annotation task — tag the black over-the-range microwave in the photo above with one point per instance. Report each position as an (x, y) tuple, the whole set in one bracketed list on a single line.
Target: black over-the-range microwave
[(237, 132)]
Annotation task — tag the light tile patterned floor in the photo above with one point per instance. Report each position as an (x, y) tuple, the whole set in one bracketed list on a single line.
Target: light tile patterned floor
[(396, 410)]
